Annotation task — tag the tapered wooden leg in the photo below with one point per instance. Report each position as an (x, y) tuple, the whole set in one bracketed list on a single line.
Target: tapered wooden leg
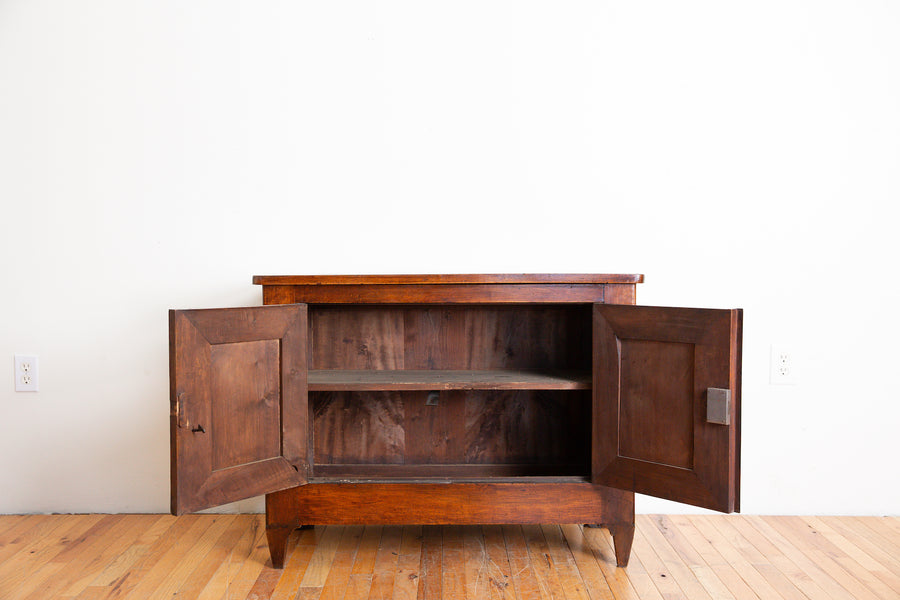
[(278, 537), (623, 536)]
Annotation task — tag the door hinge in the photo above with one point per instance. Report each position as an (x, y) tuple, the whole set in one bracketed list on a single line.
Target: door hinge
[(718, 406)]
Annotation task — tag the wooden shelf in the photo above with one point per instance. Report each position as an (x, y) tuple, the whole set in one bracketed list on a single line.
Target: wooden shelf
[(339, 380)]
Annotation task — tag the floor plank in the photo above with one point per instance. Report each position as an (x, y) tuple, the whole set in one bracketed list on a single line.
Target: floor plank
[(300, 547), (83, 555), (625, 584), (771, 555), (847, 548), (658, 570), (587, 566), (322, 558), (406, 580), (21, 536), (225, 557), (339, 575), (541, 562), (206, 568), (251, 568), (170, 565), (219, 586), (36, 549), (119, 539), (724, 559), (368, 548), (718, 577), (523, 575), (809, 569), (741, 554), (863, 541), (430, 567), (138, 549), (500, 577), (566, 569), (386, 560), (843, 569), (24, 571), (453, 563)]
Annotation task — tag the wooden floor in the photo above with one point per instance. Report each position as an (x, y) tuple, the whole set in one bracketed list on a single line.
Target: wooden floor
[(225, 556)]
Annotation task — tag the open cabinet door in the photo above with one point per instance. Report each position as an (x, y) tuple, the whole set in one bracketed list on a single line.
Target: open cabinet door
[(238, 379), (667, 385)]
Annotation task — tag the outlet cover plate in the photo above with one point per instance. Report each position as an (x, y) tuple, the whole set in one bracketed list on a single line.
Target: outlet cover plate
[(782, 365), (26, 372)]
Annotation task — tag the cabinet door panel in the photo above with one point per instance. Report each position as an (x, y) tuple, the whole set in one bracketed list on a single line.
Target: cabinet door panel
[(653, 368), (238, 380)]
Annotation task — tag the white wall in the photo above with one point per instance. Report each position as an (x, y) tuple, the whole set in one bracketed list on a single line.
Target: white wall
[(158, 154)]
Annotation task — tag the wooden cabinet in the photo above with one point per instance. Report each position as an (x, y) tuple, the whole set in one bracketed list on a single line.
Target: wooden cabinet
[(427, 399)]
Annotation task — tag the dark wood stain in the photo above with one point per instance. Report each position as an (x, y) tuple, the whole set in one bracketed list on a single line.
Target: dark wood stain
[(346, 380), (446, 279), (225, 365), (374, 349), (531, 427), (656, 414), (452, 399), (649, 446), (246, 414), (358, 428)]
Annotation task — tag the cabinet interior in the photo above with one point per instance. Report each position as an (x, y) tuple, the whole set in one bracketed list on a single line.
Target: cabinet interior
[(458, 392)]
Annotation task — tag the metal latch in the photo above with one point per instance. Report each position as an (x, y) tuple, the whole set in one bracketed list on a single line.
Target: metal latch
[(718, 406)]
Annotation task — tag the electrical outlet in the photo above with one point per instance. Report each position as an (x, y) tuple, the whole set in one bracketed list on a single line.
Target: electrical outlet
[(782, 370), (26, 372)]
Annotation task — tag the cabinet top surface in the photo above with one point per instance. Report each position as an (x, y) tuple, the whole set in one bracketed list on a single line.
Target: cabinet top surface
[(450, 279)]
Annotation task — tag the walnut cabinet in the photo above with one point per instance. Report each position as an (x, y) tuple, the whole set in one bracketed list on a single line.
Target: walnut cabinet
[(454, 399)]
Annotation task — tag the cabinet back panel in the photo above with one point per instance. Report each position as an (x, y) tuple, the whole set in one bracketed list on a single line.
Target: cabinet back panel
[(510, 427), (450, 337)]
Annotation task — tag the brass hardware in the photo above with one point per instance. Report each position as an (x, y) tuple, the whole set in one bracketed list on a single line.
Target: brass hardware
[(718, 406)]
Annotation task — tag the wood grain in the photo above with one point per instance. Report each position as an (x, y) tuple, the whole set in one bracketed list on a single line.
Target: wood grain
[(548, 430), (529, 427), (245, 418), (238, 420), (474, 337), (652, 369), (430, 566), (499, 570), (26, 556), (447, 293), (511, 355), (445, 279), (407, 577), (344, 380), (386, 560), (436, 503), (524, 577), (360, 428), (656, 414), (368, 350), (223, 556), (380, 345)]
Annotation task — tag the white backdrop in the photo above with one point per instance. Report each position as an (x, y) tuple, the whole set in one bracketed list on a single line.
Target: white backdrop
[(157, 154)]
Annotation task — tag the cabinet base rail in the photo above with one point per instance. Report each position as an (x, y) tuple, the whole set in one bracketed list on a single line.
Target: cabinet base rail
[(443, 504)]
